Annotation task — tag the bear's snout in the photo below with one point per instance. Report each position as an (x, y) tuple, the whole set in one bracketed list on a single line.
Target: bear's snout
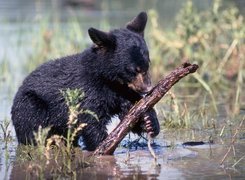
[(141, 83)]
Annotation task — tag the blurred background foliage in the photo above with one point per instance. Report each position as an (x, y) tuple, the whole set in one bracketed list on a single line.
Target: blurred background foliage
[(214, 39), (211, 35)]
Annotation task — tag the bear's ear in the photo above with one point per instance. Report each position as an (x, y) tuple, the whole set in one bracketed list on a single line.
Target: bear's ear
[(138, 23), (100, 38)]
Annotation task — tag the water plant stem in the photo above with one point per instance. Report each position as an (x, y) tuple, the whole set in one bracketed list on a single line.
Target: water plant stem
[(150, 148), (232, 141)]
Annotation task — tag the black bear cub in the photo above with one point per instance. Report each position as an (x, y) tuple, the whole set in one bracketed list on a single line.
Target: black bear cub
[(113, 74)]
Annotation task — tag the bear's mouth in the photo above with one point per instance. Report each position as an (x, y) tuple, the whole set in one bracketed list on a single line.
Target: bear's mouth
[(141, 84)]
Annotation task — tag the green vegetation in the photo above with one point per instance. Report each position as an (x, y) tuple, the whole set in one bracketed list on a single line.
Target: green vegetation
[(214, 39), (4, 126)]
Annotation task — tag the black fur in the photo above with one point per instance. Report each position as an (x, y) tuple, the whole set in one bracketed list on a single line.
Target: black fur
[(102, 71)]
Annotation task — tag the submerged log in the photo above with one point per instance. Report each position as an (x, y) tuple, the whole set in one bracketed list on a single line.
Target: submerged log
[(108, 146)]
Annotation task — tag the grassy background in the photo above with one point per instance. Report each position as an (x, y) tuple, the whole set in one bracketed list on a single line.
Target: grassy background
[(211, 100), (212, 38)]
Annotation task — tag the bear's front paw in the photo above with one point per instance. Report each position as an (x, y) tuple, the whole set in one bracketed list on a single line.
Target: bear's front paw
[(147, 123), (151, 124)]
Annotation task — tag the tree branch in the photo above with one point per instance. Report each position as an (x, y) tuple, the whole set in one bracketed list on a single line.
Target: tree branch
[(108, 146)]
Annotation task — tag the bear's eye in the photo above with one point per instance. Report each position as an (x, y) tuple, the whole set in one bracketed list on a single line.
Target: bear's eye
[(132, 70), (145, 54)]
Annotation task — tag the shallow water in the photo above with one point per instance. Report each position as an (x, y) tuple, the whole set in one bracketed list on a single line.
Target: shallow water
[(175, 162)]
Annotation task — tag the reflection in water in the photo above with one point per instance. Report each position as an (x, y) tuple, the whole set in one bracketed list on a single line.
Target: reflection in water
[(176, 162), (137, 164)]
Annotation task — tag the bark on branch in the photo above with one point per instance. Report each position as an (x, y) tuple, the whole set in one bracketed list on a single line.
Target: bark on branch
[(108, 146)]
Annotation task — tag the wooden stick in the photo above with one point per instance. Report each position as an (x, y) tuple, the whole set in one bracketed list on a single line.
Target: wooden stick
[(108, 146)]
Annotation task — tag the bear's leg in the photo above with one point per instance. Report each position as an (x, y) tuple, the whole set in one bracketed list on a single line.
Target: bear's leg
[(28, 112), (91, 136)]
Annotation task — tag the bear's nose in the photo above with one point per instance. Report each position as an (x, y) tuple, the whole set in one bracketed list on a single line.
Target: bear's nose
[(146, 83), (141, 84), (145, 89), (149, 88)]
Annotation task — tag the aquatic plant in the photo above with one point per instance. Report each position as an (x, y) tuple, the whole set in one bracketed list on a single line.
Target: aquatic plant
[(6, 131), (6, 146)]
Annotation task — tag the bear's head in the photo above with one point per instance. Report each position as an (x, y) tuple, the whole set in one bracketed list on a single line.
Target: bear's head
[(123, 54)]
